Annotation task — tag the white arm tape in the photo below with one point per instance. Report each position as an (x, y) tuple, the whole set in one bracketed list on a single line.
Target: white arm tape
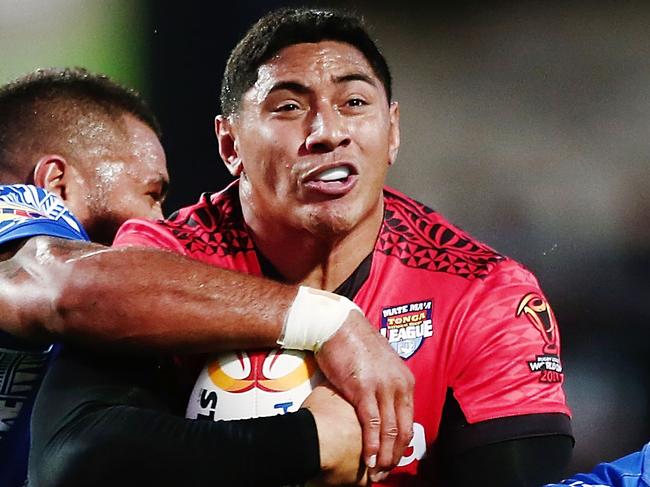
[(314, 316)]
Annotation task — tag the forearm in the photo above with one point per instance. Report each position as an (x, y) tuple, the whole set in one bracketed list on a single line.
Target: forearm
[(98, 422), (166, 301), (173, 451), (137, 297)]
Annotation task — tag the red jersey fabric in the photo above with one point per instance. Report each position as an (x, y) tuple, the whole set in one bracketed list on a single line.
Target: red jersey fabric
[(462, 316)]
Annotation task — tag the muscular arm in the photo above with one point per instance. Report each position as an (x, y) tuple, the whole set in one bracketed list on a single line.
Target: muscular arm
[(144, 298), (104, 421)]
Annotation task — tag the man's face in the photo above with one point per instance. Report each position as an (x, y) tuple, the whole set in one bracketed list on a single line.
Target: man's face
[(314, 138), (129, 179)]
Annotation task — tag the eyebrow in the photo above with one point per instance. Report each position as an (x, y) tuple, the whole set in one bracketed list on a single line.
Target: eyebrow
[(290, 86), (298, 87), (355, 77)]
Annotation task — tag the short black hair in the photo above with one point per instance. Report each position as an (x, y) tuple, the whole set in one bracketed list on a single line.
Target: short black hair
[(48, 106), (288, 26)]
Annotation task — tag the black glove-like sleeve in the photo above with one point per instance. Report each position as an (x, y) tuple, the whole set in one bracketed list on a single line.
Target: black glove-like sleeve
[(102, 420)]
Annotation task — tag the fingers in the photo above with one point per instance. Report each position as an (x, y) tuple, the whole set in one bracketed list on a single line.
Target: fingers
[(389, 430), (388, 433), (368, 414), (396, 426), (373, 378), (404, 415)]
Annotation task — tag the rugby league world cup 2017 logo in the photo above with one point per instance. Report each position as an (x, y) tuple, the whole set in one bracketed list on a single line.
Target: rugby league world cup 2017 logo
[(539, 314)]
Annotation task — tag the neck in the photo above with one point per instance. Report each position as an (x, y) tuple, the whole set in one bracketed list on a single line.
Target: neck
[(320, 260)]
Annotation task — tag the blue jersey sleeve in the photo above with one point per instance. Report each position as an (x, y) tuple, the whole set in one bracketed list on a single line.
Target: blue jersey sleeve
[(630, 471), (27, 211)]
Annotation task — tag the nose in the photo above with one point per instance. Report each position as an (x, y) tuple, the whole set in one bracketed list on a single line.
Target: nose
[(327, 131)]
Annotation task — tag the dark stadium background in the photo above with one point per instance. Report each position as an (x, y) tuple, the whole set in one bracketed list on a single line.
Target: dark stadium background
[(526, 123)]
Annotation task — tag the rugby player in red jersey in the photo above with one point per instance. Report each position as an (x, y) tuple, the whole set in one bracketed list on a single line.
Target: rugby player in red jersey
[(310, 128)]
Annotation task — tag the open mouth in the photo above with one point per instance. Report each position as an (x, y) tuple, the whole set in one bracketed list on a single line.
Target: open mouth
[(339, 173), (335, 181)]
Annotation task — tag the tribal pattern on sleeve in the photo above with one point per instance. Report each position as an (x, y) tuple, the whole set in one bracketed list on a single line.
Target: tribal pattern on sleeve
[(411, 235)]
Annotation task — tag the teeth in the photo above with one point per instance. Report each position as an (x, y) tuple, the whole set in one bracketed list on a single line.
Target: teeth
[(334, 174)]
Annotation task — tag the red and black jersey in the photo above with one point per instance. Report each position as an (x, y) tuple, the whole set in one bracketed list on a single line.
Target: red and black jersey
[(472, 325)]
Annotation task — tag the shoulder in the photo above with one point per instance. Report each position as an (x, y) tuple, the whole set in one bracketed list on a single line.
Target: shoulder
[(420, 237), (213, 225), (213, 211), (27, 211)]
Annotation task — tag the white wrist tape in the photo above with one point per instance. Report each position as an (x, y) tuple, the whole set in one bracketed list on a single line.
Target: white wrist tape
[(313, 318)]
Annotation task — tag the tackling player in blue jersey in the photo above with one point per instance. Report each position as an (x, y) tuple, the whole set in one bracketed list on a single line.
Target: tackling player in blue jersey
[(25, 211), (630, 471), (95, 145)]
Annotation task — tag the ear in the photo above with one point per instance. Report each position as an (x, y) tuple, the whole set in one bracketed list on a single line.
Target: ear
[(228, 146), (394, 140), (50, 174)]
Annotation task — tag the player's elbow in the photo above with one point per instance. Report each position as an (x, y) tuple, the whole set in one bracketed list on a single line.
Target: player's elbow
[(65, 299), (73, 307)]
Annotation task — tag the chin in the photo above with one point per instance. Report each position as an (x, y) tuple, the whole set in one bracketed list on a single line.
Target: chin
[(332, 224), (336, 218)]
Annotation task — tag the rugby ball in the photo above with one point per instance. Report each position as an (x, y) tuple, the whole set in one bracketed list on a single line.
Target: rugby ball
[(249, 384)]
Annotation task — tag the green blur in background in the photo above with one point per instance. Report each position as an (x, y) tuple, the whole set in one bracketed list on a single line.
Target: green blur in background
[(105, 36)]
